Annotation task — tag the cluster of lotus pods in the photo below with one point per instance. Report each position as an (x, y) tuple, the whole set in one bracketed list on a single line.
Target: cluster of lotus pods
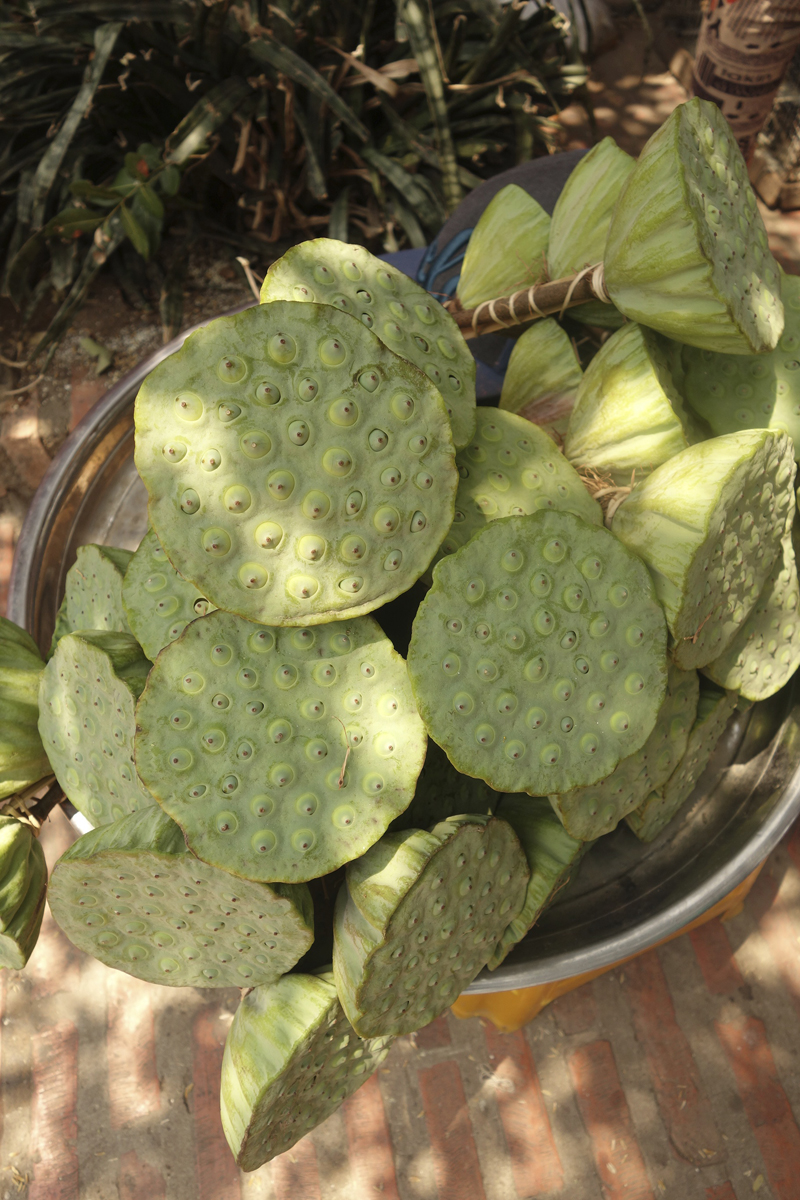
[(604, 569)]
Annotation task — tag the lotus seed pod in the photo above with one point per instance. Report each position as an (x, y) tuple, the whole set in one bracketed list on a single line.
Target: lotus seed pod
[(537, 658), (581, 219), (22, 756), (93, 591), (299, 471), (21, 667), (60, 629), (713, 710), (443, 792), (588, 813), (291, 1058), (23, 886), (542, 377), (506, 250), (765, 652), (509, 469), (86, 721), (404, 316), (420, 915), (687, 251), (281, 753), (760, 391), (132, 895), (709, 524), (628, 414), (553, 859), (159, 602)]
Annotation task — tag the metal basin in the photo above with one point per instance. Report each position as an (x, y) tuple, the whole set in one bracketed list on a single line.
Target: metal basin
[(627, 896)]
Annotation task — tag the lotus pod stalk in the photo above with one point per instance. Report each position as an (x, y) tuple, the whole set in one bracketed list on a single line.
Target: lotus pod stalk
[(23, 885), (506, 250), (687, 252), (542, 377)]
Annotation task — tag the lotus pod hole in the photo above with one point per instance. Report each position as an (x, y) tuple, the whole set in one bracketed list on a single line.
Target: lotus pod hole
[(298, 470), (159, 602), (86, 721), (765, 651), (628, 414), (538, 657), (511, 468), (421, 913), (542, 377), (709, 524), (93, 591), (133, 896), (23, 886), (281, 753), (714, 708), (553, 859), (507, 248), (588, 813), (443, 792), (687, 251), (404, 316), (758, 391), (291, 1058)]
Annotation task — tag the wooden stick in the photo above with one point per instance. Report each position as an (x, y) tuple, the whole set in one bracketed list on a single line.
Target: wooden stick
[(541, 300)]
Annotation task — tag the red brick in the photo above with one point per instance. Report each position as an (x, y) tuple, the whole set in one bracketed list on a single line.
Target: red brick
[(54, 1122), (7, 541), (19, 437), (455, 1160), (133, 1086), (684, 1106), (576, 1011), (139, 1180), (607, 1118), (85, 391), (535, 1163), (217, 1173), (432, 1036), (721, 1191), (715, 958), (295, 1175), (778, 931), (369, 1143), (765, 1103)]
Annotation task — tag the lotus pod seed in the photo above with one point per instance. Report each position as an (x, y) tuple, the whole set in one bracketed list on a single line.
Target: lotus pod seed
[(419, 915), (303, 717), (134, 897), (400, 312), (287, 471), (291, 1058), (86, 720), (548, 676), (698, 266), (159, 603), (714, 708), (709, 524)]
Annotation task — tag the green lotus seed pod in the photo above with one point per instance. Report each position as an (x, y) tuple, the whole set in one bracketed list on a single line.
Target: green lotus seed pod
[(86, 721), (511, 468), (506, 250), (93, 591), (443, 792), (281, 753), (419, 916), (553, 858), (60, 629), (628, 414), (709, 524), (21, 667), (132, 895), (159, 602), (23, 886), (537, 658), (22, 756), (291, 1058), (713, 710), (404, 316), (542, 377), (588, 813), (581, 219), (759, 391), (687, 251), (299, 471), (765, 651)]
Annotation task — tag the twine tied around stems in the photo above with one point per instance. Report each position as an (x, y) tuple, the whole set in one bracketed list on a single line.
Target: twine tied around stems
[(539, 300)]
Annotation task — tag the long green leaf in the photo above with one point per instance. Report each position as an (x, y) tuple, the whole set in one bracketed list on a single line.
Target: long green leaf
[(135, 232), (427, 210), (205, 118), (338, 223), (315, 175), (16, 280)]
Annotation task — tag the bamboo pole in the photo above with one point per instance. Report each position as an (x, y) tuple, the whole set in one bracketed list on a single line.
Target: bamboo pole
[(541, 300)]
